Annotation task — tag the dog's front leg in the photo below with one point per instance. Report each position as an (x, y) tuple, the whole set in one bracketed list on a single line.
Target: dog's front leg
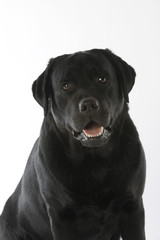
[(61, 230), (132, 222)]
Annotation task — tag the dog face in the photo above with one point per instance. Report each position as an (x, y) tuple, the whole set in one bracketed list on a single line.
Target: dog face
[(87, 91)]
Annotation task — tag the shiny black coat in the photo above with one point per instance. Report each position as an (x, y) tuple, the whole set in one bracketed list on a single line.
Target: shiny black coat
[(74, 187)]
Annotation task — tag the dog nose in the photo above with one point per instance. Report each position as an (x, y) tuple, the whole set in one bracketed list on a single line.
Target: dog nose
[(89, 104)]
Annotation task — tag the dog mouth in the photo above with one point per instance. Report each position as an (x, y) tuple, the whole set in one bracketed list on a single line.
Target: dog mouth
[(93, 134), (93, 130)]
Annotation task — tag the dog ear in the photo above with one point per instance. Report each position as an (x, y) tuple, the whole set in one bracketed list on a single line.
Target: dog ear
[(41, 86), (125, 73)]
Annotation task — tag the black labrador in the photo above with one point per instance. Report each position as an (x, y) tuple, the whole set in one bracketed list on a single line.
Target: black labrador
[(85, 176)]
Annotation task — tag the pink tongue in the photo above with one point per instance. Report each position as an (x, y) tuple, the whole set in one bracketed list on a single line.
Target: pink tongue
[(93, 129)]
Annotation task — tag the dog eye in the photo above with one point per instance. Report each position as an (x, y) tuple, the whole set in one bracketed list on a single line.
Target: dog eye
[(103, 80), (66, 86)]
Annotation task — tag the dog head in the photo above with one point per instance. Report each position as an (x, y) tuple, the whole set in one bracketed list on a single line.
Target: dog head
[(85, 92)]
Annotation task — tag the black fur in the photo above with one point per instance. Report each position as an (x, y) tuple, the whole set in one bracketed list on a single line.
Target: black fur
[(75, 187)]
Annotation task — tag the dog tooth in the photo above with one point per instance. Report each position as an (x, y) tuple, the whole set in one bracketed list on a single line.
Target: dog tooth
[(93, 136)]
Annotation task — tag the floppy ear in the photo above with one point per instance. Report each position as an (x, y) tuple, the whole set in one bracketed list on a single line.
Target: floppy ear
[(125, 73), (41, 85)]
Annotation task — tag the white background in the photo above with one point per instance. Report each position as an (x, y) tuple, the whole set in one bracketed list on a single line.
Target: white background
[(33, 31)]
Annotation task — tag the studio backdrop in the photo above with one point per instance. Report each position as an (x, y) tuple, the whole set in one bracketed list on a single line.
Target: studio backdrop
[(33, 31)]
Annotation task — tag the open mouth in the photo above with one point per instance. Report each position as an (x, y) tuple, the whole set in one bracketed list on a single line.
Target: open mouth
[(93, 130), (93, 134)]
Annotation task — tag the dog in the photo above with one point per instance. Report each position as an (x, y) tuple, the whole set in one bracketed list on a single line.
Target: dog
[(85, 176)]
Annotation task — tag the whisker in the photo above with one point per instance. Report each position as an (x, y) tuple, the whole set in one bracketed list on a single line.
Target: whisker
[(126, 134)]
